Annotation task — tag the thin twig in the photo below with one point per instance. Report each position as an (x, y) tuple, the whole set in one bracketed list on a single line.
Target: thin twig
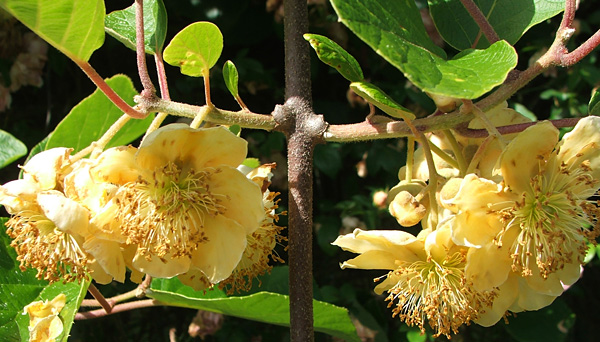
[(107, 90), (481, 20), (118, 308), (140, 49), (106, 306)]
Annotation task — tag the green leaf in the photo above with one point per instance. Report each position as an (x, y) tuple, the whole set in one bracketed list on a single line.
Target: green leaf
[(89, 119), (594, 105), (509, 18), (17, 289), (264, 307), (330, 53), (395, 31), (381, 100), (195, 49), (230, 75), (74, 27), (121, 25), (11, 148)]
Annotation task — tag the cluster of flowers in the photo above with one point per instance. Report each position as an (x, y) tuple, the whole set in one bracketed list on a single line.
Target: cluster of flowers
[(179, 205), (506, 232)]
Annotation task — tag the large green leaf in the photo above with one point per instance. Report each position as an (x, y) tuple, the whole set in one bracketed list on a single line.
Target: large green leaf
[(265, 307), (74, 27), (395, 31), (509, 18), (195, 49), (17, 289), (89, 119), (121, 25), (330, 53), (11, 148)]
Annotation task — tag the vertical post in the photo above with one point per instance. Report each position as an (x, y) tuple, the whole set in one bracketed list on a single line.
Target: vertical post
[(303, 130)]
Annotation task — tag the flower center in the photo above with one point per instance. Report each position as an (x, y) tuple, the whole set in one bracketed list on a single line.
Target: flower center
[(165, 213), (39, 244), (437, 293), (551, 215)]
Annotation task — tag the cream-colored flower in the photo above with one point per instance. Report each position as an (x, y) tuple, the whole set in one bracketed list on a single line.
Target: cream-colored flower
[(534, 224), (47, 228), (44, 323), (426, 282), (183, 203)]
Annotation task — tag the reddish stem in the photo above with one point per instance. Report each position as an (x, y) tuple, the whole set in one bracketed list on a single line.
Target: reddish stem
[(162, 76), (487, 29), (140, 49), (117, 308), (106, 306), (114, 97)]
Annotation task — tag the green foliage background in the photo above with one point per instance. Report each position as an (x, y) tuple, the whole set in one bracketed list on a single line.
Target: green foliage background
[(346, 175)]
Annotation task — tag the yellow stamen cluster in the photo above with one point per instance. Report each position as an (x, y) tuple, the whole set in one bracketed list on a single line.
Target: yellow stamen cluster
[(436, 293), (34, 236)]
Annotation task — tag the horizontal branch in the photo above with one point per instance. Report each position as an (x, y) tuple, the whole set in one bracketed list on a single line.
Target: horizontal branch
[(215, 115), (371, 130)]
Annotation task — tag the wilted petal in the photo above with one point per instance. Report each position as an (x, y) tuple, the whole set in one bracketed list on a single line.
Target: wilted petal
[(68, 215), (18, 195), (116, 165), (44, 167)]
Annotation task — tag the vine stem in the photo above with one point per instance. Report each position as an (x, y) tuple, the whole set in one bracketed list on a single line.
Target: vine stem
[(487, 29), (117, 308), (107, 90), (140, 49), (303, 130)]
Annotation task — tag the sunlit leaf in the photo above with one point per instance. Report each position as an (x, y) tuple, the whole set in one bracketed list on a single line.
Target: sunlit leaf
[(90, 119), (11, 148), (330, 53), (230, 75), (74, 27), (121, 25), (17, 289), (395, 31), (509, 18), (195, 49), (381, 100), (264, 307)]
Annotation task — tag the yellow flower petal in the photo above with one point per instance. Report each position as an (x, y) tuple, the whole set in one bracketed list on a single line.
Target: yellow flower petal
[(219, 256), (474, 224), (372, 260), (520, 160), (529, 299), (18, 195), (361, 241), (165, 267), (507, 294), (243, 198), (188, 147), (116, 165), (108, 254)]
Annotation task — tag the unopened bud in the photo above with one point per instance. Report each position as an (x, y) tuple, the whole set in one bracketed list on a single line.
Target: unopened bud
[(406, 209)]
